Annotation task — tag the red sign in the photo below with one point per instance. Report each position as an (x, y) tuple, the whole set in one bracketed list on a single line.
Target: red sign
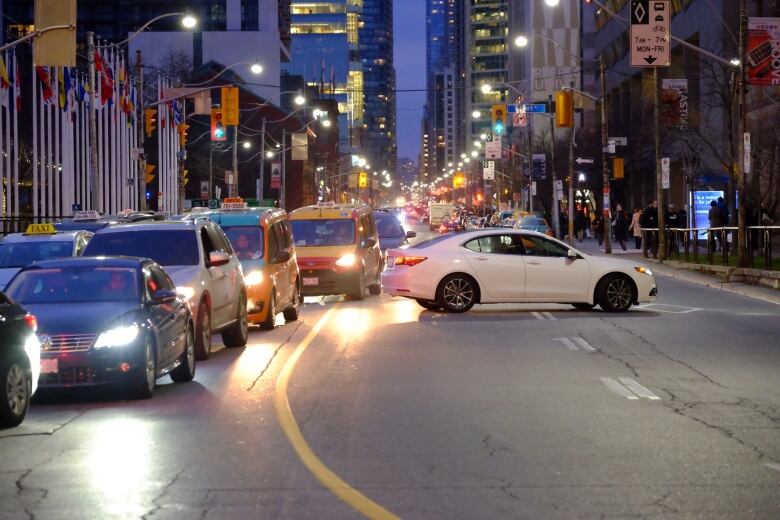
[(763, 51), (276, 175)]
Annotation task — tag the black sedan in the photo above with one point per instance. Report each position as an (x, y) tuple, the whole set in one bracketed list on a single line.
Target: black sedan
[(107, 320), (19, 361)]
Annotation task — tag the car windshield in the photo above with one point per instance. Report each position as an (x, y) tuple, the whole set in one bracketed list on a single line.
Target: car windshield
[(75, 285), (21, 254), (325, 232), (166, 247), (388, 226), (247, 241)]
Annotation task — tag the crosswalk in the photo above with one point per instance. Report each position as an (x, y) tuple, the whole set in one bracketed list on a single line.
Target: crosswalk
[(629, 388), (576, 343)]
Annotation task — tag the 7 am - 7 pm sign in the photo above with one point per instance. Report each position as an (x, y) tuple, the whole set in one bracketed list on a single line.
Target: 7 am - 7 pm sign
[(650, 33)]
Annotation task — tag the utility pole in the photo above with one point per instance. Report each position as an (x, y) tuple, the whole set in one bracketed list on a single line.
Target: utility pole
[(283, 188), (139, 89), (658, 173), (741, 136), (604, 158), (262, 164), (571, 181), (94, 180), (556, 213), (234, 184)]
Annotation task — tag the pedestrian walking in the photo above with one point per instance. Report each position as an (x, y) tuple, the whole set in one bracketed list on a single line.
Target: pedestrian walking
[(621, 226), (649, 223), (716, 221), (672, 224), (636, 227), (597, 226), (580, 224)]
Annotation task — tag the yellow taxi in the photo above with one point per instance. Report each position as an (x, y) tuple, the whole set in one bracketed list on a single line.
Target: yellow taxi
[(263, 244), (338, 250)]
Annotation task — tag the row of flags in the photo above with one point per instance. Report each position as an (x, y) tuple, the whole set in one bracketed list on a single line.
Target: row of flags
[(6, 81)]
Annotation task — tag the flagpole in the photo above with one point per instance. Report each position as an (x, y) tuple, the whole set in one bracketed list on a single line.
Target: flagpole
[(113, 136), (93, 158), (5, 129), (17, 84), (56, 164), (34, 162), (50, 153)]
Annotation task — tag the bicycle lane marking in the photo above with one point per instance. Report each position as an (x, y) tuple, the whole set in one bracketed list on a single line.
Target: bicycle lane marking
[(287, 421)]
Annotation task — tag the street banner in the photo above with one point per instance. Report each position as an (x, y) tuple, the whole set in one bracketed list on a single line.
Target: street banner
[(665, 171), (299, 146), (674, 103), (204, 190), (276, 175), (539, 166), (763, 45)]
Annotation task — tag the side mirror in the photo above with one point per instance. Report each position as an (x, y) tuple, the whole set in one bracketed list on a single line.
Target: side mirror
[(163, 296), (369, 242), (218, 258), (572, 255), (411, 234), (281, 257)]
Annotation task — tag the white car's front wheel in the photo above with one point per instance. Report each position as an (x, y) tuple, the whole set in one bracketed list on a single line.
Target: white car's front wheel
[(457, 293), (616, 293)]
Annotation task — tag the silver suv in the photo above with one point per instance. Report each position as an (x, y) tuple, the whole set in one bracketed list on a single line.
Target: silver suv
[(198, 257)]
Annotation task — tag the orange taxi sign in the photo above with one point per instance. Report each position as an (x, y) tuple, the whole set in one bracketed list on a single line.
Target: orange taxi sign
[(40, 229)]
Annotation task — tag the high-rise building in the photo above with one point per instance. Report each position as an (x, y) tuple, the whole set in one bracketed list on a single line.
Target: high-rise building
[(444, 116), (229, 32), (345, 49), (376, 55)]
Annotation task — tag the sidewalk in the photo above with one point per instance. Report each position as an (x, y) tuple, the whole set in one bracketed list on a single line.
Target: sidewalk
[(767, 294)]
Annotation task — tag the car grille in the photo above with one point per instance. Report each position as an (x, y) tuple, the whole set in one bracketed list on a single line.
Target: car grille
[(70, 376), (69, 343)]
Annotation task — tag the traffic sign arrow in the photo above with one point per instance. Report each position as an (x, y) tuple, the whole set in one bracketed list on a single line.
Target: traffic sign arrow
[(583, 160), (650, 59)]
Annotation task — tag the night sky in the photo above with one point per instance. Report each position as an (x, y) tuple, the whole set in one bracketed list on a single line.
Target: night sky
[(409, 55)]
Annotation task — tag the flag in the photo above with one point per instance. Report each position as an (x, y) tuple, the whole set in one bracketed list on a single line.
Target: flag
[(43, 77), (17, 85), (176, 113), (106, 80), (61, 88), (70, 92), (4, 83)]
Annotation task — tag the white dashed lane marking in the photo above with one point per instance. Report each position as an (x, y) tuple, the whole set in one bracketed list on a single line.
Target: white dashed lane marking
[(572, 344), (629, 388)]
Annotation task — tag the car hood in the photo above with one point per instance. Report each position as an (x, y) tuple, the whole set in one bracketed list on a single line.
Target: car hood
[(183, 275), (78, 318), (6, 275), (601, 263)]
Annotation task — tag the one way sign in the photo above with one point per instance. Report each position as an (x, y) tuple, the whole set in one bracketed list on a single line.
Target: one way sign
[(583, 160), (650, 33)]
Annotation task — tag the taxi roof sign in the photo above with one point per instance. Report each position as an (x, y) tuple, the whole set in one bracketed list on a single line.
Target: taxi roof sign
[(326, 204), (41, 229), (234, 203), (90, 214)]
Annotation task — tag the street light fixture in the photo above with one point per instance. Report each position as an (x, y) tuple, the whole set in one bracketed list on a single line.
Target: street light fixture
[(483, 136), (476, 114), (256, 68), (521, 41), (552, 3), (326, 123), (247, 145), (736, 62), (474, 154), (486, 88), (300, 100), (189, 21), (269, 154)]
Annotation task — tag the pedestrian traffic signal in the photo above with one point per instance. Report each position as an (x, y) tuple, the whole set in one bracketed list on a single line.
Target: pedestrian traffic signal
[(617, 167), (185, 177), (150, 121), (149, 175), (363, 180), (181, 129), (564, 108), (217, 127), (498, 118)]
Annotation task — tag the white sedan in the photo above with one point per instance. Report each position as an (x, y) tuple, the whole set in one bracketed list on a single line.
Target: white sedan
[(454, 272)]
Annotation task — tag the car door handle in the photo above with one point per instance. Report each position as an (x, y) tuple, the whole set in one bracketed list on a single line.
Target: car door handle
[(481, 258), (533, 262)]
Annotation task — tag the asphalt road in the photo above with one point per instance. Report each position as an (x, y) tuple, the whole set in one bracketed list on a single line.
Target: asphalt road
[(516, 411)]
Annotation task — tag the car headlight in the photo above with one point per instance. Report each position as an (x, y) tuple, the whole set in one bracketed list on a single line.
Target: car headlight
[(643, 270), (253, 278), (347, 260), (185, 292), (32, 347), (117, 337)]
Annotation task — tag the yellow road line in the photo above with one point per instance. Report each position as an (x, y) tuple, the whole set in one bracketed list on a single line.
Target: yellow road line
[(284, 414)]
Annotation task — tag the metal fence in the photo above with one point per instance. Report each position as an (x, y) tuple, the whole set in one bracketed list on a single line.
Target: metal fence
[(19, 224), (717, 245)]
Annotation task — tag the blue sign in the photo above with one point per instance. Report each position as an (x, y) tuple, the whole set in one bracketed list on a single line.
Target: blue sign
[(701, 207), (536, 108), (76, 207)]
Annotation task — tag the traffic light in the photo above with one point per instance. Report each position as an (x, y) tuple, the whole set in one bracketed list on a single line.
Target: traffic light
[(564, 108), (498, 117), (229, 98), (458, 181), (149, 175), (617, 167), (181, 129), (184, 177), (217, 127), (150, 121), (363, 180)]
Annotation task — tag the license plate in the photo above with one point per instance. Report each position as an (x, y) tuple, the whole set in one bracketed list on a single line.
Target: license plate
[(50, 366), (390, 261), (311, 281)]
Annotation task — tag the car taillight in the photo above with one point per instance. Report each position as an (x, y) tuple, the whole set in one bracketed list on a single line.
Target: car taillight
[(31, 322), (442, 228), (409, 260)]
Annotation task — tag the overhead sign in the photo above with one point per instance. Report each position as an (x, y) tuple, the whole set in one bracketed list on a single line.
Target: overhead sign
[(763, 46), (535, 108), (488, 170), (276, 175), (650, 33), (493, 148)]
